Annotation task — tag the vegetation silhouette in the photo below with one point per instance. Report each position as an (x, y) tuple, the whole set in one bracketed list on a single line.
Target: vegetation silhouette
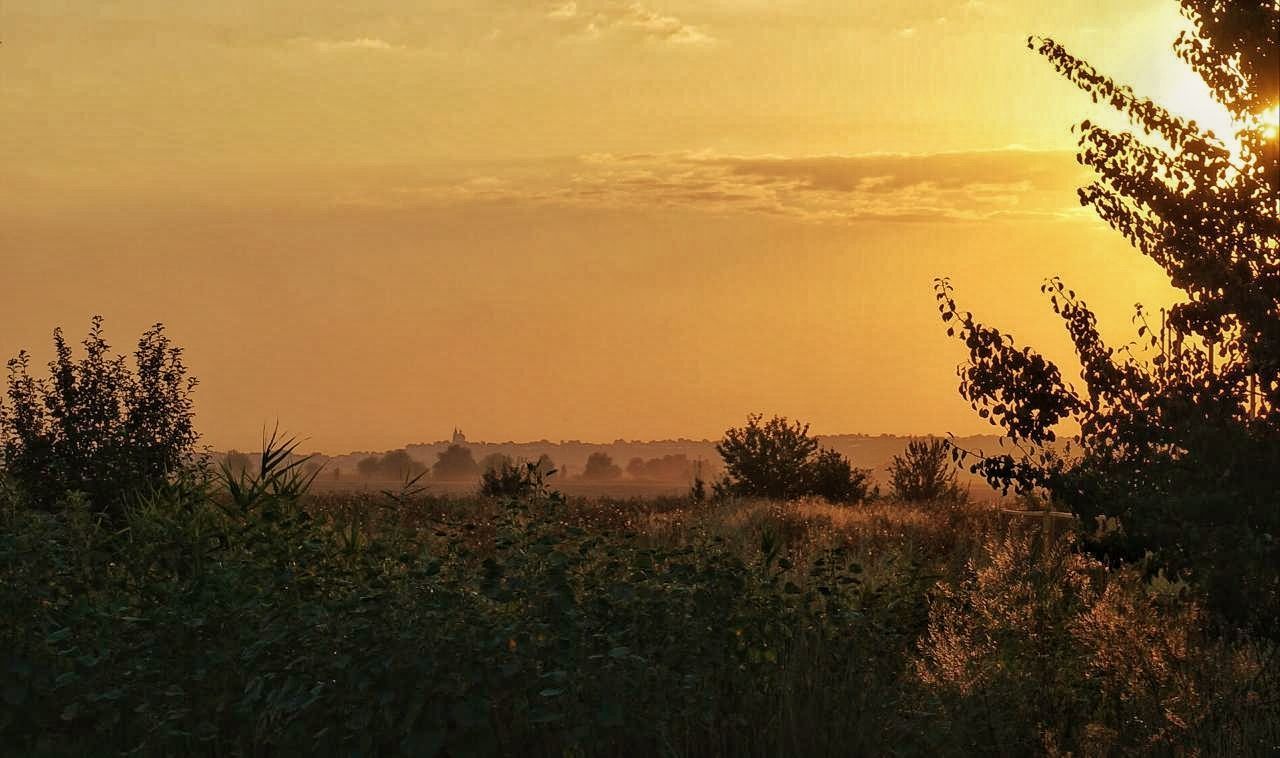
[(97, 425), (600, 468), (519, 480), (1179, 433), (777, 459), (924, 473), (397, 464), (455, 464)]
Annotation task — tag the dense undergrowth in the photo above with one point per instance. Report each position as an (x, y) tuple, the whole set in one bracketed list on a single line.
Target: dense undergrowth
[(258, 620)]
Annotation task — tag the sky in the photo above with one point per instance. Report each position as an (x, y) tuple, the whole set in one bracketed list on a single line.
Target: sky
[(374, 221)]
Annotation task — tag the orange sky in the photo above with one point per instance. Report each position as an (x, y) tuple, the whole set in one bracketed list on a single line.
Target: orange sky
[(566, 220)]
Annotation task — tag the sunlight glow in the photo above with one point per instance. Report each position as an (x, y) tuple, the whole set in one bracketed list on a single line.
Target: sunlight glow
[(1270, 120)]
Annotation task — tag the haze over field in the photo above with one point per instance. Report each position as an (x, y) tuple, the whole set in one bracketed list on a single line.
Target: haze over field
[(570, 220)]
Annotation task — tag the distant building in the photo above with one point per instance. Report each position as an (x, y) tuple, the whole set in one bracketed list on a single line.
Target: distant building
[(458, 437)]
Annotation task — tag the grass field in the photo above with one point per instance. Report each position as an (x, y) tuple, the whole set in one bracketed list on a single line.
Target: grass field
[(357, 623)]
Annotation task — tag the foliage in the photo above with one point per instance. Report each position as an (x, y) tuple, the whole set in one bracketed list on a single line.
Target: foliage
[(241, 616), (1179, 434), (833, 478), (669, 468), (506, 478), (924, 472), (396, 464), (455, 464), (600, 467), (777, 459), (97, 425), (769, 460), (1084, 655)]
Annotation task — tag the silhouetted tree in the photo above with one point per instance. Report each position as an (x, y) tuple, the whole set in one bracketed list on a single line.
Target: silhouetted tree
[(767, 460), (600, 467), (398, 464), (833, 478), (669, 468), (1179, 435), (924, 472), (97, 425), (369, 467), (455, 464)]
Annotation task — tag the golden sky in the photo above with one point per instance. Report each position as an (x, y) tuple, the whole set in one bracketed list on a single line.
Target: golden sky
[(374, 221)]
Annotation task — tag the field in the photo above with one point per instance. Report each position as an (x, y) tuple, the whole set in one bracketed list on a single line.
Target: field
[(359, 623), (620, 489)]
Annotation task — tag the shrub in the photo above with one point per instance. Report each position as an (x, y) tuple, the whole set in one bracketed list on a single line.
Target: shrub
[(778, 460), (769, 460), (97, 425), (924, 472), (600, 467), (512, 479), (455, 464), (833, 478)]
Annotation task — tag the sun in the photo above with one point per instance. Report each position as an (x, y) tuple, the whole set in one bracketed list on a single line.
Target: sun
[(1269, 121)]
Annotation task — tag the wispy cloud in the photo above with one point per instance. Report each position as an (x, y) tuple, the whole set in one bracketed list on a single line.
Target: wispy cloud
[(625, 20), (997, 185), (372, 44)]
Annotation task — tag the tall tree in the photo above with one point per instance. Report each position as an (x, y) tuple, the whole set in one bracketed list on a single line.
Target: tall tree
[(1179, 433)]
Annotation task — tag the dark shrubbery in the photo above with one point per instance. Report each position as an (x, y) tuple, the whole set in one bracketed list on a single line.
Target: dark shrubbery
[(601, 468), (455, 464), (833, 478), (98, 426), (243, 617), (778, 460), (396, 465), (515, 479), (924, 473)]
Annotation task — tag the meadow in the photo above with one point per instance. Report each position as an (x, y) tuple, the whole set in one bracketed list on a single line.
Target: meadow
[(250, 617)]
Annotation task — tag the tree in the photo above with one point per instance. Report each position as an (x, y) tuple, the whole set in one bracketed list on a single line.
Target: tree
[(495, 462), (398, 464), (600, 467), (455, 464), (1179, 434), (924, 472), (370, 467), (97, 425), (834, 479), (769, 460)]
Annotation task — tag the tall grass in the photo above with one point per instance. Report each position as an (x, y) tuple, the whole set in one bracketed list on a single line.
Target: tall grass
[(237, 616)]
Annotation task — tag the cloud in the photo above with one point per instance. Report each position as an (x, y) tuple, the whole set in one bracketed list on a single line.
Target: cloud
[(997, 185), (625, 20), (563, 10), (360, 43)]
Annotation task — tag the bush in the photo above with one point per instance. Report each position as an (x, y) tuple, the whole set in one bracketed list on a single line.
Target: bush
[(98, 426), (600, 467), (924, 473), (779, 460), (834, 479), (511, 479), (455, 464)]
